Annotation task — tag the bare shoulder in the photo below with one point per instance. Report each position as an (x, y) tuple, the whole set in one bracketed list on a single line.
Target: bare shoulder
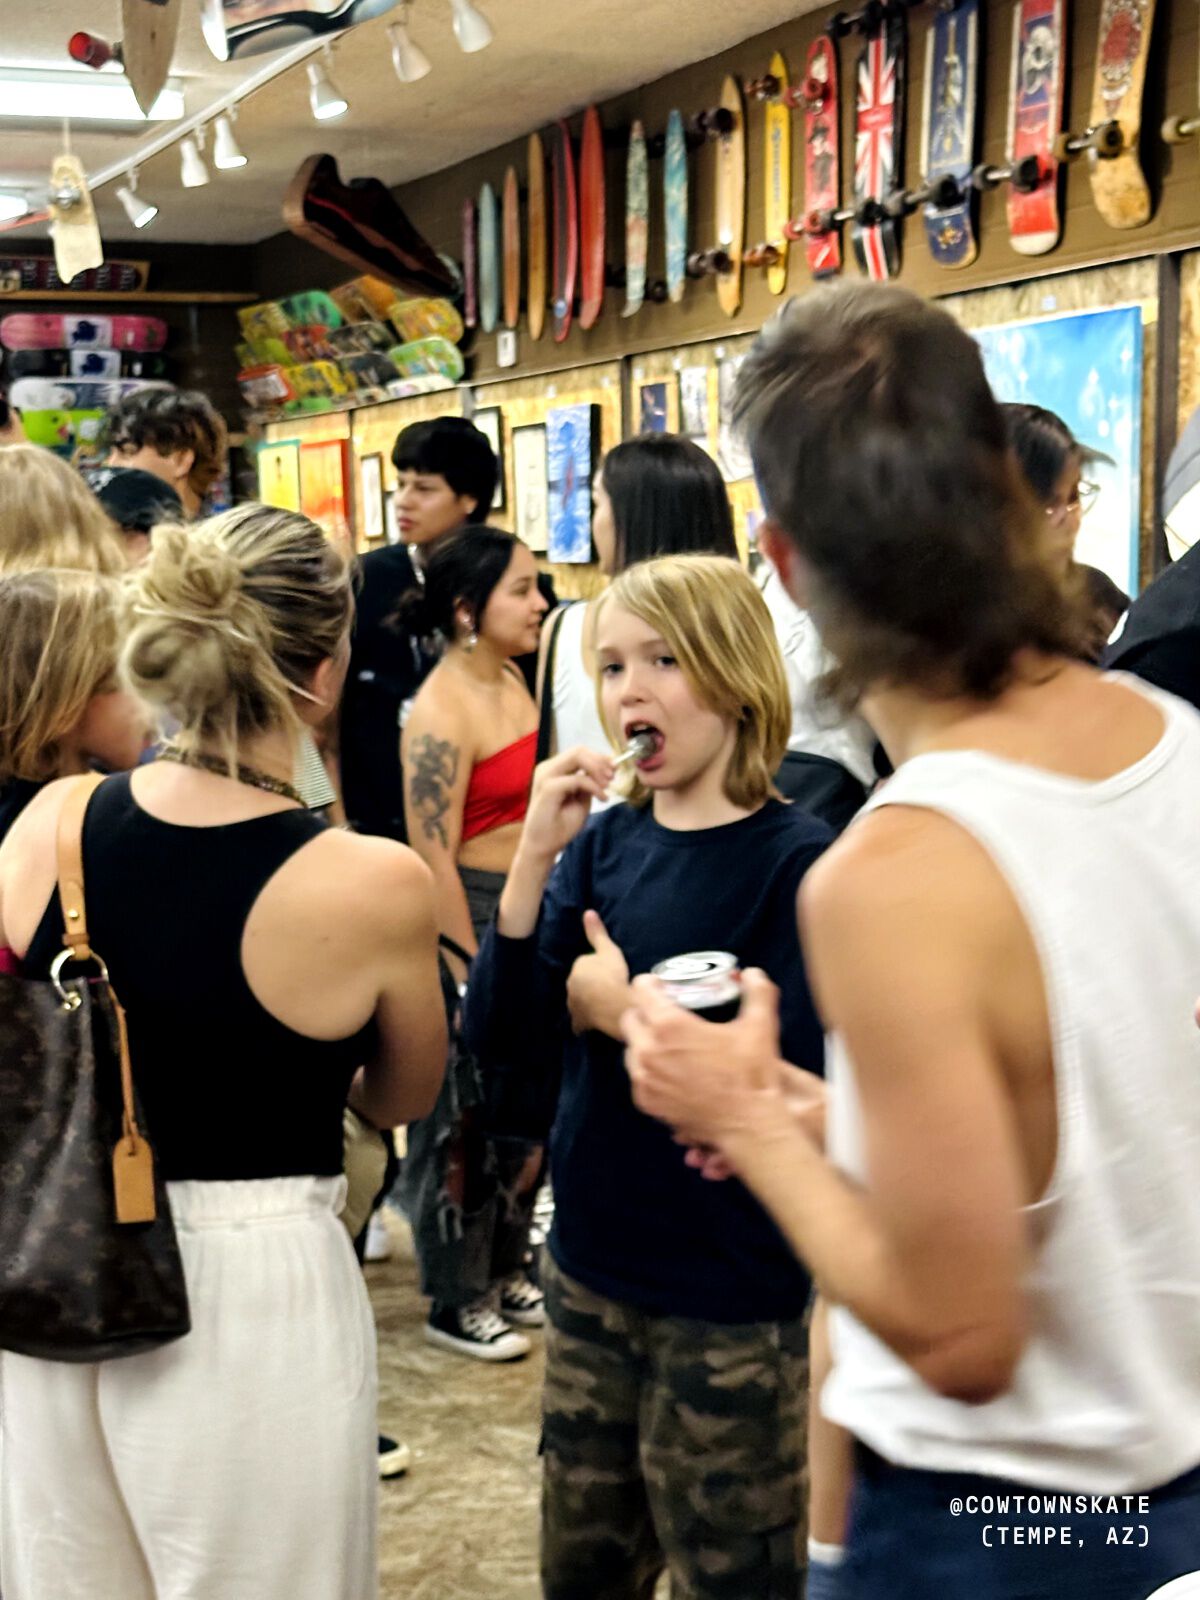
[(377, 881), (440, 703), (36, 829)]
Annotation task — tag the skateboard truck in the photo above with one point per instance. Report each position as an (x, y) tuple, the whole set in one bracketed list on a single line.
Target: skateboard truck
[(709, 263), (1105, 141), (1024, 175), (762, 255), (810, 95), (90, 50), (718, 122), (1178, 130), (817, 222), (940, 193)]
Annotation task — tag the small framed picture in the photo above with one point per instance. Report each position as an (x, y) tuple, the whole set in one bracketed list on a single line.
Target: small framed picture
[(531, 489), (390, 526), (370, 497), (572, 434), (490, 422), (693, 403), (653, 402)]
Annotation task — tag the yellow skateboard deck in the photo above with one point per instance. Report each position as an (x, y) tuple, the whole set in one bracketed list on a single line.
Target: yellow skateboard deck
[(731, 198), (777, 175), (1119, 186)]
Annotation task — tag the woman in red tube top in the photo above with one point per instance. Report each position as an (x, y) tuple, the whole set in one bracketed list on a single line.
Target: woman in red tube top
[(467, 753)]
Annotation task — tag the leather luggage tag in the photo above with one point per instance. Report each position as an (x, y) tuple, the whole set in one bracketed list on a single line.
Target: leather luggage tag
[(133, 1179)]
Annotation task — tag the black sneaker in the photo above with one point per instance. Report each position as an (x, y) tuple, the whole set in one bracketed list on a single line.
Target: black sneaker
[(475, 1330), (394, 1459), (521, 1301)]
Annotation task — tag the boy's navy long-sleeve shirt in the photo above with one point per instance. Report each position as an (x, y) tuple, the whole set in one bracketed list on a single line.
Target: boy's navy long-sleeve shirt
[(631, 1221)]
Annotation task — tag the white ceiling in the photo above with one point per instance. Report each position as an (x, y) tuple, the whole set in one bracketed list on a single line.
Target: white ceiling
[(549, 57)]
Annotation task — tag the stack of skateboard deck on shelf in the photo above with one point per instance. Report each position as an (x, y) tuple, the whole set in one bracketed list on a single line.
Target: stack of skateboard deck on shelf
[(357, 345), (64, 372)]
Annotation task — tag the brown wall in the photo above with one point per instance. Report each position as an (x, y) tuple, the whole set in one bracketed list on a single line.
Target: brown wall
[(282, 264)]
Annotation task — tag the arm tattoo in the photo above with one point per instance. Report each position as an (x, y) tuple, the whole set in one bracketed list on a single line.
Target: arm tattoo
[(434, 769)]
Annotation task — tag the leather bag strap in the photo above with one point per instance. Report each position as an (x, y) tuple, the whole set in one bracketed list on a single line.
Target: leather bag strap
[(70, 865)]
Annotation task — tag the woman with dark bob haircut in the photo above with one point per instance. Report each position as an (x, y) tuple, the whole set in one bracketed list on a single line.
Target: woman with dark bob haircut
[(657, 495)]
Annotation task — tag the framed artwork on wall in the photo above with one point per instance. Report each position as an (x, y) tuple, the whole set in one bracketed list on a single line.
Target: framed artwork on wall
[(531, 486), (570, 462), (693, 403), (279, 474), (323, 487), (370, 497), (490, 422), (654, 408)]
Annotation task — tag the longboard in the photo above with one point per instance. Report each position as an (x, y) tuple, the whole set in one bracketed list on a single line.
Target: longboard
[(675, 201), (1035, 108), (535, 293), (149, 29), (730, 213), (237, 28), (512, 249), (39, 272), (591, 219), (361, 223), (878, 146), (47, 330), (489, 260), (637, 220), (822, 148), (565, 229), (470, 266), (948, 131), (1119, 187)]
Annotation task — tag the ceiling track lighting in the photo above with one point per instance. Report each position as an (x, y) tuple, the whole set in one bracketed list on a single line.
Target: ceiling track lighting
[(227, 152), (193, 174), (324, 96), (410, 61), (471, 28), (140, 212)]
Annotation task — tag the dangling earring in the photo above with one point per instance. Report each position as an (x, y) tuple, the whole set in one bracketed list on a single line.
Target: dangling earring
[(470, 641)]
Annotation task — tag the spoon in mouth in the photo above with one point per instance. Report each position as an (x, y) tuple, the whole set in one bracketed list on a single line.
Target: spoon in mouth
[(640, 746)]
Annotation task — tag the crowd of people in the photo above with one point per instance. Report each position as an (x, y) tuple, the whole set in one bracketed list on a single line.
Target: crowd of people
[(882, 1203)]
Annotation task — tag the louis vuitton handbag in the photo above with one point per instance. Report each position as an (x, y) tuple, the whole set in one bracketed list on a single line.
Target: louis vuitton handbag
[(89, 1262)]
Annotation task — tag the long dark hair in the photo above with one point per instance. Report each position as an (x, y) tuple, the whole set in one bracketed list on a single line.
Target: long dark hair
[(881, 452), (668, 499), (464, 570)]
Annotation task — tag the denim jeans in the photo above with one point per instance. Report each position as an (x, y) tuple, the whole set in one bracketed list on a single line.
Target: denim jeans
[(954, 1536)]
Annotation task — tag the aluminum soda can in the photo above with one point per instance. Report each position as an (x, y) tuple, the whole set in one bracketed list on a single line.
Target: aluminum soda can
[(707, 982)]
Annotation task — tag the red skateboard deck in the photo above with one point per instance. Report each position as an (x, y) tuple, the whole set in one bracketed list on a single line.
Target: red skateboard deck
[(511, 232), (565, 228), (44, 330), (822, 146), (470, 266), (591, 219), (1035, 107)]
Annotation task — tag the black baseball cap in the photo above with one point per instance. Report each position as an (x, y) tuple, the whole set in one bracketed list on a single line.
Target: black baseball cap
[(134, 499)]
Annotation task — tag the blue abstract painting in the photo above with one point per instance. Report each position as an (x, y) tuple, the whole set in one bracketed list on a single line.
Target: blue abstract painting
[(1087, 367), (569, 434)]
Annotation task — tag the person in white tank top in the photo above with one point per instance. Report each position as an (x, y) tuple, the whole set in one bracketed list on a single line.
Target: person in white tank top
[(1005, 948)]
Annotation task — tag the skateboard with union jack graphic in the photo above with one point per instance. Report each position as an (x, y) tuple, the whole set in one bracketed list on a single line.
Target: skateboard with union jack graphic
[(879, 141)]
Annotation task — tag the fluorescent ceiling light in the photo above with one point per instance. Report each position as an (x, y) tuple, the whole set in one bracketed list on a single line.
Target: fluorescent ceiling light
[(140, 212), (471, 28), (12, 205), (325, 98), (227, 152), (86, 96), (410, 61)]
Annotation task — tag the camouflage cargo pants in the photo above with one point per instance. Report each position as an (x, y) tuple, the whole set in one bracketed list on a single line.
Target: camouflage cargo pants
[(670, 1443)]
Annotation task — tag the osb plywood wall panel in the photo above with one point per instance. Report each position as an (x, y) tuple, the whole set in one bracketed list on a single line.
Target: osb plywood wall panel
[(1189, 338), (435, 202), (1127, 283), (310, 430), (526, 401)]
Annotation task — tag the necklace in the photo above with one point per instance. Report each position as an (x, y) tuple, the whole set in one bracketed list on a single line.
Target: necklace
[(248, 775)]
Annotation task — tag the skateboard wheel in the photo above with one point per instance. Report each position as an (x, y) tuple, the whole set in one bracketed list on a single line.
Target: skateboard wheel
[(762, 255), (815, 95), (656, 146), (839, 25), (656, 292), (614, 277), (765, 88), (1178, 130), (946, 192), (1108, 140), (794, 230), (871, 214), (92, 51), (1028, 173)]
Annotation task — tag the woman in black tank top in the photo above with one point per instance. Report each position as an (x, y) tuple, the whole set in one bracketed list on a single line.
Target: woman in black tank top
[(270, 967)]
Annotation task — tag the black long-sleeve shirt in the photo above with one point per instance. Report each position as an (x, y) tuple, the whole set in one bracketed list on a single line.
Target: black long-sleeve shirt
[(631, 1220)]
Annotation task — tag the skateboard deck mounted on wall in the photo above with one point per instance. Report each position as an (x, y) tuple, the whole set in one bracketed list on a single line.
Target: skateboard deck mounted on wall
[(637, 220), (470, 266), (591, 219), (675, 202), (1035, 108), (360, 222), (489, 260), (777, 174), (1119, 187), (45, 330), (73, 225), (75, 394), (878, 144), (148, 32), (948, 131), (39, 272), (535, 294), (565, 228), (730, 215), (512, 249), (822, 153)]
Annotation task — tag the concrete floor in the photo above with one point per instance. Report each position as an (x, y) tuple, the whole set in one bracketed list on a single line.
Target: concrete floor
[(463, 1523)]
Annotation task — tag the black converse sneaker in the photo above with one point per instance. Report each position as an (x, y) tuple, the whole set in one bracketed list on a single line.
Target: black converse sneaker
[(521, 1301), (475, 1330)]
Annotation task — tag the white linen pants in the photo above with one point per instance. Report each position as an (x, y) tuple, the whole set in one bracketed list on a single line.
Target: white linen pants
[(237, 1463)]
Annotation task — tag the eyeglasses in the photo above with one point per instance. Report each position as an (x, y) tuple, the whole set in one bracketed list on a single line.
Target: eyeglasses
[(1081, 501)]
